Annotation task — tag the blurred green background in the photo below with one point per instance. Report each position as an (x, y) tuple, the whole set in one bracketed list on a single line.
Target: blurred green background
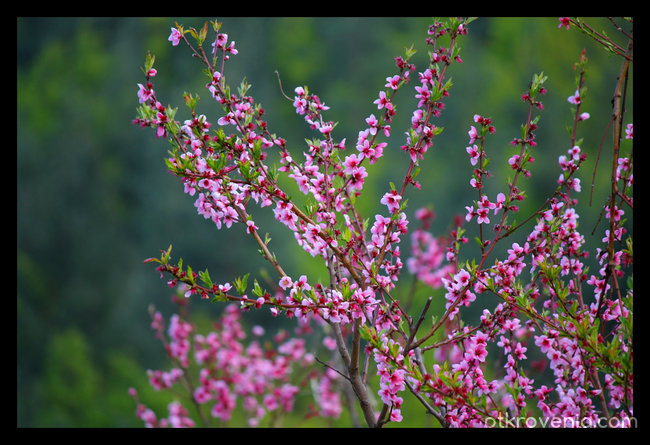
[(94, 199)]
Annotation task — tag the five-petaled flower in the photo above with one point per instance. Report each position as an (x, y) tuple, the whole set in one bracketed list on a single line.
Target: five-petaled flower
[(392, 82), (391, 200), (383, 101), (285, 282)]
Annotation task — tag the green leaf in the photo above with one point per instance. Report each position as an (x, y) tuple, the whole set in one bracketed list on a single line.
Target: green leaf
[(409, 52), (203, 33), (190, 100), (205, 277), (241, 283), (149, 61), (165, 257), (257, 289), (346, 235)]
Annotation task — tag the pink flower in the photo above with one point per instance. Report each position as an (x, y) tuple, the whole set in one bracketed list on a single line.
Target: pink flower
[(485, 203), (250, 226), (392, 82), (326, 129), (564, 21), (302, 283), (473, 135), (470, 213), (482, 214), (383, 101), (575, 98), (144, 94), (473, 153), (628, 131), (175, 37), (329, 343), (543, 342), (617, 213), (423, 94), (501, 198), (395, 415), (519, 351), (358, 178), (352, 163), (391, 200), (285, 282), (372, 123)]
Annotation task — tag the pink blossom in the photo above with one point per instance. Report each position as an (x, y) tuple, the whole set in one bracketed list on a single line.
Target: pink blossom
[(250, 226), (352, 163), (473, 153), (423, 94), (391, 200), (372, 123), (470, 213), (519, 351), (300, 104), (175, 37), (426, 77), (575, 98), (628, 131), (617, 213), (383, 101), (473, 134), (564, 21), (144, 94), (329, 343), (544, 343), (285, 282), (396, 415), (358, 178), (302, 283), (393, 82), (326, 129), (231, 49), (514, 161), (482, 214), (501, 199)]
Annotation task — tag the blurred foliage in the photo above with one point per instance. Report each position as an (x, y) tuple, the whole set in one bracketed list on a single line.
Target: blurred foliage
[(94, 200)]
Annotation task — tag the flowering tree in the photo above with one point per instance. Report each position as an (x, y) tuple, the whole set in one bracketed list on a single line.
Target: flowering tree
[(463, 373)]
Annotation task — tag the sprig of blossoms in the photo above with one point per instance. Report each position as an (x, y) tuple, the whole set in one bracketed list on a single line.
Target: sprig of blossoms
[(231, 372)]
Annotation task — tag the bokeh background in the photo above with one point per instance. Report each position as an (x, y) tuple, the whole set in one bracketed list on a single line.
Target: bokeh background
[(94, 199)]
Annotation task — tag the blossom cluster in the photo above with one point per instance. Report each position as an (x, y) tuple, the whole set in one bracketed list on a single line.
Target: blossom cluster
[(553, 251), (541, 282), (232, 372)]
